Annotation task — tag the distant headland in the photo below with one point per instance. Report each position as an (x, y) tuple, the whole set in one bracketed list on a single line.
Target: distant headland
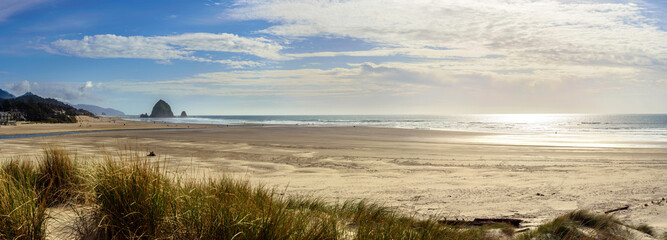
[(33, 108)]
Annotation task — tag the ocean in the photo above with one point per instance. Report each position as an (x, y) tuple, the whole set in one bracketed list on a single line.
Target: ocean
[(584, 130)]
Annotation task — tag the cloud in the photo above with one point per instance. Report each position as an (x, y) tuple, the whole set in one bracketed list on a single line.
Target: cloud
[(463, 56), (11, 7), (63, 91), (429, 87), (546, 31), (411, 52), (488, 55), (21, 87), (224, 42), (166, 48), (87, 85), (394, 78), (293, 83)]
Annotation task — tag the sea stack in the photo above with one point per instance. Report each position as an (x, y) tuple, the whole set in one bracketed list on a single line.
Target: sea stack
[(183, 114), (161, 110)]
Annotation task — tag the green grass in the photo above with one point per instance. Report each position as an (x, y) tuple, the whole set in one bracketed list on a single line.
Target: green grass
[(22, 213), (580, 224)]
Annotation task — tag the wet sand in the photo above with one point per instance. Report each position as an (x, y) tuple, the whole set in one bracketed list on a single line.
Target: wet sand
[(420, 172)]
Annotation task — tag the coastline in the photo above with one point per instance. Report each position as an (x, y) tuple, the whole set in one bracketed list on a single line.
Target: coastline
[(421, 172), (89, 124), (104, 124)]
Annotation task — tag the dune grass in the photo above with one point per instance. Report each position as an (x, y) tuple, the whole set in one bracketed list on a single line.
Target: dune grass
[(59, 179), (135, 199), (231, 209), (645, 228), (26, 191), (580, 224), (22, 212), (129, 197)]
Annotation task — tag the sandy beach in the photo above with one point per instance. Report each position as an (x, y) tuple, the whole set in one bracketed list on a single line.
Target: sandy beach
[(86, 123), (424, 173)]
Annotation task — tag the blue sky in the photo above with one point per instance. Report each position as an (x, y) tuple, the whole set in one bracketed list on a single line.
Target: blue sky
[(340, 57)]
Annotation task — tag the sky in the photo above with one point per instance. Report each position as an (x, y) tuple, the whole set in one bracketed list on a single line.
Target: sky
[(309, 57)]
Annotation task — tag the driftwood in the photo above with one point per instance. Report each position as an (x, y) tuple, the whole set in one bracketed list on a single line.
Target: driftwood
[(617, 209), (152, 154), (483, 221)]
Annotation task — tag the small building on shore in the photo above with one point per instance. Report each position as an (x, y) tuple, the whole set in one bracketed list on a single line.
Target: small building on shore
[(6, 118)]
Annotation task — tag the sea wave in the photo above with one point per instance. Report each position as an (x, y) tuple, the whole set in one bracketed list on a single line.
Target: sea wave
[(638, 127)]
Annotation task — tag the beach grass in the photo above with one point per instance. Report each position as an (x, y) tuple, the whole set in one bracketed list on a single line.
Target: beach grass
[(580, 224), (22, 211), (59, 179), (645, 228), (135, 199), (231, 209), (129, 196), (132, 200)]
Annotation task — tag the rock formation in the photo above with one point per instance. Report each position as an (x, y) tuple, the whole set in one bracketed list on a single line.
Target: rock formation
[(161, 110), (183, 114)]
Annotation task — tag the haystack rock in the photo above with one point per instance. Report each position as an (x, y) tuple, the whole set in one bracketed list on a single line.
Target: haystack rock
[(183, 114), (161, 110)]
